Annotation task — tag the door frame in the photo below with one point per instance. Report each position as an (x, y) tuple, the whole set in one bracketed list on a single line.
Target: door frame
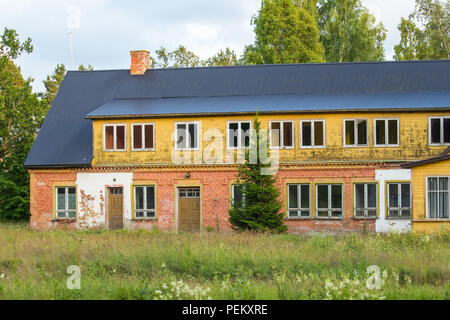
[(107, 187), (177, 188)]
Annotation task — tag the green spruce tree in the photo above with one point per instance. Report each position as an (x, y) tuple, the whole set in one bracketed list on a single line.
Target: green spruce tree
[(260, 207)]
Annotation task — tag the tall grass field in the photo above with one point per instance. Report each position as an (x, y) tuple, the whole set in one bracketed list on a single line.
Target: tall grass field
[(155, 265)]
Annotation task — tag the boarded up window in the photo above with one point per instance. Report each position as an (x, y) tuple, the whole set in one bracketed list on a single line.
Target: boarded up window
[(137, 137), (114, 136), (143, 137), (120, 143), (149, 139), (109, 137)]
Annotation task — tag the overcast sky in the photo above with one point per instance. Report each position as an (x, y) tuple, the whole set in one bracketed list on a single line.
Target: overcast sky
[(104, 31)]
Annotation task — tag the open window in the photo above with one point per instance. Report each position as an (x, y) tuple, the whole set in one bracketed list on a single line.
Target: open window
[(439, 130), (143, 137), (144, 202), (187, 135), (366, 199), (386, 132), (281, 134), (114, 137), (399, 200), (312, 133), (329, 201), (239, 134), (356, 133), (299, 201)]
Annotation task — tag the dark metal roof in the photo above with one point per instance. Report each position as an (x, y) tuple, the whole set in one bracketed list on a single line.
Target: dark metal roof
[(66, 136), (444, 156)]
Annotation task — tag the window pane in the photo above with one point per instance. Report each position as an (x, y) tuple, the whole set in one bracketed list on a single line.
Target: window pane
[(237, 194), (287, 134), (336, 196), (137, 137), (293, 214), (233, 134), (322, 196), (61, 214), (181, 136), (139, 197), (322, 214), (432, 184), (193, 135), (359, 195), (318, 133), (72, 199), (380, 127), (306, 134), (150, 197), (149, 136), (150, 214), (72, 214), (245, 134), (305, 196), (406, 213), (372, 195), (139, 214), (109, 137), (362, 132), (336, 214), (393, 213), (406, 195), (392, 132), (349, 132), (293, 196), (61, 199), (305, 213), (435, 130), (443, 205), (443, 183), (393, 195), (432, 204), (447, 130), (275, 126), (120, 143)]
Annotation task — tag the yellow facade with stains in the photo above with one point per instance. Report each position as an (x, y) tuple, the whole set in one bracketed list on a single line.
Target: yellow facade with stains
[(413, 138), (420, 216)]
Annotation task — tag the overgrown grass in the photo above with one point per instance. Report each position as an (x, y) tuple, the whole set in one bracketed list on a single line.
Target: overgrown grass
[(154, 265)]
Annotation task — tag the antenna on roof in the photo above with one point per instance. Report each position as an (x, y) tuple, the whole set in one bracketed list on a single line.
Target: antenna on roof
[(71, 51)]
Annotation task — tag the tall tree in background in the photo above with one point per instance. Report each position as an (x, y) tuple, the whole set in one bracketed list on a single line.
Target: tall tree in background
[(430, 42), (286, 32), (348, 32), (223, 58), (21, 116), (53, 82)]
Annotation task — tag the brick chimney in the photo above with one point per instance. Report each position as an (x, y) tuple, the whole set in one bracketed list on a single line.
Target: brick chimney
[(140, 62)]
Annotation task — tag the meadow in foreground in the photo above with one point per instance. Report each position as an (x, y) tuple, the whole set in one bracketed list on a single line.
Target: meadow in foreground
[(155, 265)]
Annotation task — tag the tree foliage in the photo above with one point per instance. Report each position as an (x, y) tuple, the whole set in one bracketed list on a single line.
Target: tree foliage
[(348, 32), (260, 206), (223, 58), (286, 32), (432, 41), (53, 82)]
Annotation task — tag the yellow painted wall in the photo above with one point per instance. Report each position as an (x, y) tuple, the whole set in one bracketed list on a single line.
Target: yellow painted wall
[(413, 139), (419, 175)]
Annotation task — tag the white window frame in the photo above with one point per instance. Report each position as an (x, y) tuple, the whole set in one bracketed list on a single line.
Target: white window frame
[(115, 125), (312, 146), (427, 201), (366, 200), (299, 196), (386, 132), (239, 134), (199, 131), (143, 136), (66, 204), (135, 210), (330, 209), (441, 118), (356, 134), (281, 133), (399, 208)]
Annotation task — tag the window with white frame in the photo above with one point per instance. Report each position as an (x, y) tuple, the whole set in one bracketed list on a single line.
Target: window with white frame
[(144, 202), (66, 203), (312, 133), (143, 136), (299, 201), (187, 135), (365, 197), (356, 133), (329, 200), (438, 189), (439, 130), (399, 200), (386, 132), (239, 134), (114, 137), (282, 134), (237, 196)]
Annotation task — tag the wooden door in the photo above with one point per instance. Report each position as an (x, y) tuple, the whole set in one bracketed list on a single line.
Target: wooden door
[(115, 208), (189, 209)]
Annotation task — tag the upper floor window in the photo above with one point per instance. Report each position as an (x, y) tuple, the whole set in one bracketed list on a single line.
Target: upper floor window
[(239, 134), (312, 133), (143, 136), (365, 200), (114, 137), (386, 132), (329, 201), (298, 201), (281, 134), (144, 203), (438, 189), (399, 200), (188, 135), (439, 130), (356, 133), (66, 203)]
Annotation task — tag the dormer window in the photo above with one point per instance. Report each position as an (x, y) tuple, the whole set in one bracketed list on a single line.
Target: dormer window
[(114, 137)]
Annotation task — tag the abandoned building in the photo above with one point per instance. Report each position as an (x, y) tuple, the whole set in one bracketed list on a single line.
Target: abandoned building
[(361, 146)]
